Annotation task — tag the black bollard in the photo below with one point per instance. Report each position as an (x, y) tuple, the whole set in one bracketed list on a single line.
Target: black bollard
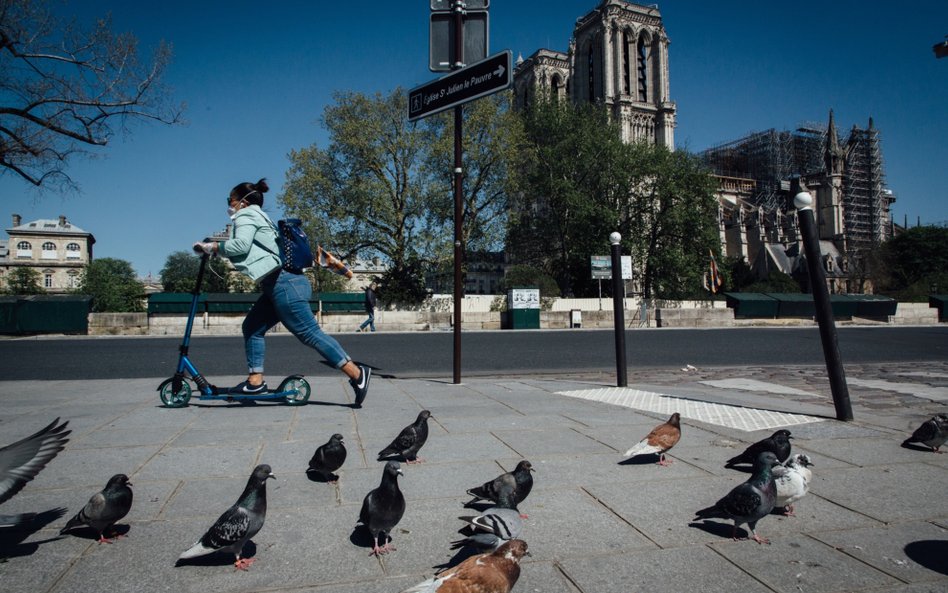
[(618, 309), (824, 311)]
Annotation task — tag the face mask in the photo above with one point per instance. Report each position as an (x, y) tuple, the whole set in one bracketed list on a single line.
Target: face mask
[(231, 211)]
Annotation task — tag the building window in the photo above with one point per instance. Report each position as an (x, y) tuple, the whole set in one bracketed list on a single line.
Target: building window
[(626, 74), (47, 280), (73, 280), (642, 57), (49, 250), (24, 249), (73, 251), (556, 87), (591, 73)]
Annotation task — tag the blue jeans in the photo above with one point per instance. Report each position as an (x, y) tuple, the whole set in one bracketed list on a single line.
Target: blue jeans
[(285, 299), (369, 322)]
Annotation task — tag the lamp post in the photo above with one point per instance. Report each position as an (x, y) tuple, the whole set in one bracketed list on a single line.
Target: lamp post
[(618, 309), (824, 312)]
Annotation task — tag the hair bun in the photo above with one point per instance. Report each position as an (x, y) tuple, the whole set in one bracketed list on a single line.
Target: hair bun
[(261, 186)]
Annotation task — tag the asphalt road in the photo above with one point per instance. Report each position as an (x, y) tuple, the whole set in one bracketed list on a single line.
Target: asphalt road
[(430, 354)]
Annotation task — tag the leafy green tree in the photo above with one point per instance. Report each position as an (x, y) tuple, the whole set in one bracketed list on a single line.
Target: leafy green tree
[(582, 182), (916, 259), (364, 193), (112, 285), (23, 280), (492, 143), (403, 285), (181, 271), (521, 275), (573, 160), (776, 281)]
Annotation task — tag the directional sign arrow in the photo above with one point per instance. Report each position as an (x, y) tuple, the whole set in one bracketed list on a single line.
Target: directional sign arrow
[(483, 78)]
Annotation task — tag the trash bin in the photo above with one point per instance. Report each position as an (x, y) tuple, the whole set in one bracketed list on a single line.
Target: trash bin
[(523, 309)]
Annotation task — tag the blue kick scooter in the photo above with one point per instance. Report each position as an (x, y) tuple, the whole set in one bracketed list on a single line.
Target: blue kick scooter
[(176, 391)]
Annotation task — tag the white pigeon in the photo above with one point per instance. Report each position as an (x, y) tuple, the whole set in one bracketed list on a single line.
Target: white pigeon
[(793, 481)]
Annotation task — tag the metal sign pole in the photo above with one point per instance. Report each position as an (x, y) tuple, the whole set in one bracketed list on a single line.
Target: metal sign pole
[(458, 193)]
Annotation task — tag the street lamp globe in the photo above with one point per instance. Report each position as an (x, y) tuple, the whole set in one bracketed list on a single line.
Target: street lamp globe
[(803, 200), (615, 238)]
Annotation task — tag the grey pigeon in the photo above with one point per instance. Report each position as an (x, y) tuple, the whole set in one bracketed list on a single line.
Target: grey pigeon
[(515, 486), (493, 527), (383, 508), (490, 572), (778, 443), (793, 481), (410, 440), (328, 458), (932, 433), (104, 509), (22, 460), (239, 523), (750, 501)]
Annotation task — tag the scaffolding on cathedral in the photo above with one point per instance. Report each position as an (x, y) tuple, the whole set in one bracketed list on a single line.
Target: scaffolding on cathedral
[(772, 157)]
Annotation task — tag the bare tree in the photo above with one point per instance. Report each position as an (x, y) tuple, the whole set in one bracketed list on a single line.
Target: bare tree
[(63, 89)]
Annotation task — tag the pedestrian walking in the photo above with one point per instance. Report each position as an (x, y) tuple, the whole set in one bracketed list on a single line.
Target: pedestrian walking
[(369, 307)]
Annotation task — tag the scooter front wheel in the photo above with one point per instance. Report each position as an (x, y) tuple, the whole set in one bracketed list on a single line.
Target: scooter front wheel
[(296, 389), (172, 399)]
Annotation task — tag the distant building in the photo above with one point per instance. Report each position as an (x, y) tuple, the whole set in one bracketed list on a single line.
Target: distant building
[(846, 178), (57, 249), (618, 56)]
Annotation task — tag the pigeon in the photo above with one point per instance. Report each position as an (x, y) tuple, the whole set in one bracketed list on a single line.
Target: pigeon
[(22, 460), (328, 458), (383, 508), (490, 572), (778, 443), (515, 485), (662, 438), (239, 523), (409, 440), (104, 508), (750, 501), (793, 481), (933, 433), (492, 528)]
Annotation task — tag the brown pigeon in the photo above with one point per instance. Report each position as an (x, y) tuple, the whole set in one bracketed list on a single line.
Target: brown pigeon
[(495, 572), (662, 438)]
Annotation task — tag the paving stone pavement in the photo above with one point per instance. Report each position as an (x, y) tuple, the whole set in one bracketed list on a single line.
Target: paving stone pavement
[(876, 519)]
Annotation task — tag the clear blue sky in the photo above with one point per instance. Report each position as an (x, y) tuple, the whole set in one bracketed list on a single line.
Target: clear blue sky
[(257, 75)]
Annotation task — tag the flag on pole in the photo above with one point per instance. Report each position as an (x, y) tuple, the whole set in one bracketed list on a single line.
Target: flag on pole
[(327, 260), (713, 279)]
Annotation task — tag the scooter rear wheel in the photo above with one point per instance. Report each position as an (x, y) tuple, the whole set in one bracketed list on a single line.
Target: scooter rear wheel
[(172, 399), (297, 390)]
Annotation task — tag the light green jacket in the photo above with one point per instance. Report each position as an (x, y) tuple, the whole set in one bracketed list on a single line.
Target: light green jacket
[(252, 246)]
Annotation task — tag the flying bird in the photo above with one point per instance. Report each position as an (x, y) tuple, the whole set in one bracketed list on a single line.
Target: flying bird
[(932, 433), (778, 443), (328, 458), (793, 481), (491, 572), (662, 438), (104, 509), (383, 508), (492, 528), (239, 523), (410, 440), (22, 460), (750, 501), (514, 486)]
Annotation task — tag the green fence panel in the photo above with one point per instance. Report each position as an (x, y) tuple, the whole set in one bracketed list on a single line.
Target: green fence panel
[(751, 304), (67, 314), (173, 302), (940, 302), (225, 302), (341, 302), (790, 304), (873, 305), (8, 315)]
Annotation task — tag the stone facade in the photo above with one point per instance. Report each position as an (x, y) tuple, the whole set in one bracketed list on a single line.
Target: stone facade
[(57, 249), (618, 56)]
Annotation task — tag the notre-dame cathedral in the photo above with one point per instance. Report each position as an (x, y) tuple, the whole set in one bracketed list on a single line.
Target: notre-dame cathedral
[(618, 57)]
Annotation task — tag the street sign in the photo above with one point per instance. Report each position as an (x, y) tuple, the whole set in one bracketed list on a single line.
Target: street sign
[(441, 34), (473, 82), (447, 5), (601, 266)]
